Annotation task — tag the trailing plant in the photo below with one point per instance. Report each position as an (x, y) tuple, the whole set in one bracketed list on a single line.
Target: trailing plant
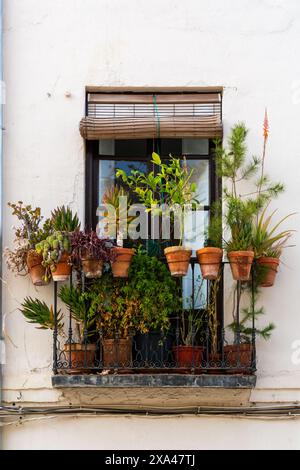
[(168, 187), (38, 312), (84, 309), (157, 293), (63, 220), (27, 234), (89, 245)]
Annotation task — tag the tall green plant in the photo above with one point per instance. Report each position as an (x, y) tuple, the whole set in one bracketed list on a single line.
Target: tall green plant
[(170, 185), (241, 209)]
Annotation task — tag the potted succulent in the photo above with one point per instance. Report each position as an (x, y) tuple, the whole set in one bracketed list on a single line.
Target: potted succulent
[(55, 251), (210, 257), (188, 354), (115, 227), (268, 245), (24, 259), (84, 309), (167, 191), (159, 298), (91, 252), (55, 248)]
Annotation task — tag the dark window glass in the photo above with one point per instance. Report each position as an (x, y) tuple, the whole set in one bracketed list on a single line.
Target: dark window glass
[(131, 148), (171, 146)]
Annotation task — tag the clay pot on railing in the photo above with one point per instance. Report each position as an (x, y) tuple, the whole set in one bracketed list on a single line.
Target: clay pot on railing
[(91, 267), (269, 271), (117, 353), (239, 357), (120, 266), (178, 259), (210, 259), (36, 269), (241, 263), (188, 356), (82, 355), (63, 269)]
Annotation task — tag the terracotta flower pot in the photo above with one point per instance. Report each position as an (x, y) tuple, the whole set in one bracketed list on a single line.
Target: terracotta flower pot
[(188, 356), (178, 259), (240, 263), (63, 269), (92, 268), (82, 356), (117, 353), (210, 259), (238, 357), (35, 268), (120, 267), (270, 266)]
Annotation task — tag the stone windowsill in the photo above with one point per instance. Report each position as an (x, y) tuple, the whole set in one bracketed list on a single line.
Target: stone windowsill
[(154, 381)]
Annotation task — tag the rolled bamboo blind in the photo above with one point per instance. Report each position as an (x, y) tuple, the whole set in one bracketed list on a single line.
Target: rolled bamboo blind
[(143, 116)]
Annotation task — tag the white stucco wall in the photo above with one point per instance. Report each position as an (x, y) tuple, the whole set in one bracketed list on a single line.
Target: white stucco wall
[(56, 46)]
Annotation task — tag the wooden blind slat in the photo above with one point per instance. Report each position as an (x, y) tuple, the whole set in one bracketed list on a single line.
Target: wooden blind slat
[(188, 98)]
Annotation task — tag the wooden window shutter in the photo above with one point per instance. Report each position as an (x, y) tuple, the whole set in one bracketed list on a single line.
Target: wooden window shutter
[(152, 115)]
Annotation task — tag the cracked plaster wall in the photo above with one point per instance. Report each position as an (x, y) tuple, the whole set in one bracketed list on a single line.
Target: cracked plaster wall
[(53, 48)]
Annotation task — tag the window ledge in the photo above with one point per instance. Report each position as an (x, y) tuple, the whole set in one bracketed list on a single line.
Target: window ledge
[(155, 381)]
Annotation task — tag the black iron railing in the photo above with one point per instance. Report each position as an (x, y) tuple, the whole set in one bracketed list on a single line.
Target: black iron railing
[(210, 347)]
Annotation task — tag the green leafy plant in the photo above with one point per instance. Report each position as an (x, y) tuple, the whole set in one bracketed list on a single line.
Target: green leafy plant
[(38, 312), (117, 311), (170, 185), (84, 308), (63, 220), (158, 294)]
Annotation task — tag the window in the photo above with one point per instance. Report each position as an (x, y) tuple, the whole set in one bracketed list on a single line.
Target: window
[(134, 154)]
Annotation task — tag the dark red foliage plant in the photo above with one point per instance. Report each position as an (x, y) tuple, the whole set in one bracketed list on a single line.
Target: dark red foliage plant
[(87, 245)]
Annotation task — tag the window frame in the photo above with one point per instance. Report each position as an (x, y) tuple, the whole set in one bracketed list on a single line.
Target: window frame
[(92, 182)]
